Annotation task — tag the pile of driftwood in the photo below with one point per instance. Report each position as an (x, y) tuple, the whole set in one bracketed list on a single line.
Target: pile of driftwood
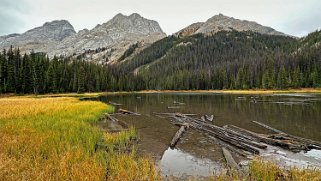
[(239, 140)]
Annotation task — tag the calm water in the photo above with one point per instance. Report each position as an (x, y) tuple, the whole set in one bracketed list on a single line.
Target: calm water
[(195, 154)]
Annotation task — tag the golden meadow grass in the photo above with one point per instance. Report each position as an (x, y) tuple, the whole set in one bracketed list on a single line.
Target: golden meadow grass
[(52, 139)]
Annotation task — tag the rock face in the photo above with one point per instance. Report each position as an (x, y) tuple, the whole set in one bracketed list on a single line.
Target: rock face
[(40, 39), (224, 23), (106, 42), (111, 39)]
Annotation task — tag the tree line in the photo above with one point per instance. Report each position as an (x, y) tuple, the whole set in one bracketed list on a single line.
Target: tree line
[(35, 73), (226, 60)]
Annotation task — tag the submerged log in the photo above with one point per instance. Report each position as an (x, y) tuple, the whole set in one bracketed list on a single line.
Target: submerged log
[(114, 103), (178, 103), (124, 111), (180, 124), (238, 151), (268, 127), (310, 144), (111, 118), (122, 123), (174, 107), (284, 144), (173, 114), (178, 135), (230, 160)]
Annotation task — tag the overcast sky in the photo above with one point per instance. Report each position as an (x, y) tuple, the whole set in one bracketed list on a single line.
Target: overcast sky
[(294, 17)]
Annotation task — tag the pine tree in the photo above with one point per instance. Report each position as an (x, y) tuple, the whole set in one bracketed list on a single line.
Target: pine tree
[(51, 79), (11, 82), (81, 80), (296, 77)]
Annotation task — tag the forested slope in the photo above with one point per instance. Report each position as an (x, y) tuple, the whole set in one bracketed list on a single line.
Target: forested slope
[(226, 60)]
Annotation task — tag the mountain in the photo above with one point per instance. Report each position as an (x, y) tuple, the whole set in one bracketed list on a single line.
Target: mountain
[(106, 42), (110, 40), (40, 39), (225, 60), (224, 23)]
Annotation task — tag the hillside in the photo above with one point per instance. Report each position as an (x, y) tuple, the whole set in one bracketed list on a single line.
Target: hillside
[(225, 60)]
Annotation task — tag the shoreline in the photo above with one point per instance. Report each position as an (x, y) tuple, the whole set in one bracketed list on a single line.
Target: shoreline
[(250, 91), (240, 92)]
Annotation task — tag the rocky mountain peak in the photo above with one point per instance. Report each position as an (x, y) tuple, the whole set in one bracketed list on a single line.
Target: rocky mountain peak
[(114, 37), (225, 23), (221, 22), (133, 23), (55, 30), (39, 38)]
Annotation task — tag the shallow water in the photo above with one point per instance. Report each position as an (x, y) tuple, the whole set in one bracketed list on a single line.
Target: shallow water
[(195, 154)]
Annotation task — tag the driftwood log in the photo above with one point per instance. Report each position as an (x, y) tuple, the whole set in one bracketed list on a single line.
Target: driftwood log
[(268, 127), (178, 103), (114, 103), (230, 161), (284, 136), (122, 123), (124, 111), (178, 135)]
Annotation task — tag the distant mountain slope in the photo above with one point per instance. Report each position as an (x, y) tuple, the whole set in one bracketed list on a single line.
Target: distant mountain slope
[(40, 39), (224, 23), (104, 43), (112, 38), (227, 59)]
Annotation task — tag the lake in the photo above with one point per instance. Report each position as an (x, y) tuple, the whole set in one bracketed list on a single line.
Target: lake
[(195, 154)]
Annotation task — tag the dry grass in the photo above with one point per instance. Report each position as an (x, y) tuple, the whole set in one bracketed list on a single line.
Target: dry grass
[(52, 139), (263, 170), (260, 170)]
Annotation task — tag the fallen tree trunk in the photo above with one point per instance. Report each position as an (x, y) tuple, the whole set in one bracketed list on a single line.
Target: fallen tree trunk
[(122, 123), (230, 161), (268, 127), (285, 136), (114, 103), (178, 135), (200, 126), (174, 107), (261, 138), (178, 103), (111, 118), (232, 135), (124, 111), (232, 148)]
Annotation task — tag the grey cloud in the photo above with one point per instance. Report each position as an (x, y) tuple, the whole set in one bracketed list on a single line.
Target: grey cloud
[(11, 13), (304, 24)]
